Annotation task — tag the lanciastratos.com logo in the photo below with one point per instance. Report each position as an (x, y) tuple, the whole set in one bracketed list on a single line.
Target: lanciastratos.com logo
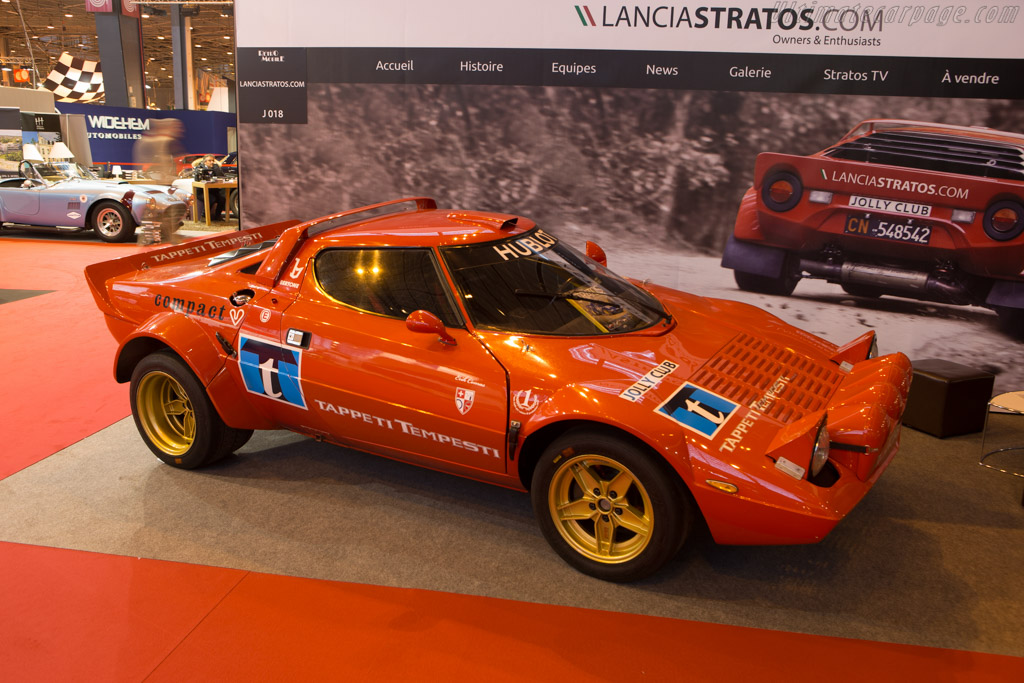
[(681, 16)]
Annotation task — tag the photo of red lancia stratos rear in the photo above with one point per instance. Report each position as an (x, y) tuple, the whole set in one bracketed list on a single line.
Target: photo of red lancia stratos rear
[(919, 210), (481, 345)]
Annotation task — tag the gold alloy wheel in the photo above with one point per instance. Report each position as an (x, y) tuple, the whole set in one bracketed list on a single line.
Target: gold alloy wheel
[(109, 221), (166, 413), (600, 508)]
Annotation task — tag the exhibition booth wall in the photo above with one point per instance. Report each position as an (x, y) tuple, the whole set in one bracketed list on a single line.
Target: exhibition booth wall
[(113, 131)]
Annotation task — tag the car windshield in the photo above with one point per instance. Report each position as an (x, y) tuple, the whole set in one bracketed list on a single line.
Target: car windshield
[(63, 170), (533, 283)]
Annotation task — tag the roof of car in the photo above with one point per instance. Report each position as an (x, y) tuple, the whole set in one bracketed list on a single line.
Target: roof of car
[(431, 227)]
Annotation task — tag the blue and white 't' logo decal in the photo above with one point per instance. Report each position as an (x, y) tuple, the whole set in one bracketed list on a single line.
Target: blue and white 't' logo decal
[(698, 409), (271, 370)]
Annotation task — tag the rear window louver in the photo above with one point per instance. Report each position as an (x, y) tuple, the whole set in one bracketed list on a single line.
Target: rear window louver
[(935, 152)]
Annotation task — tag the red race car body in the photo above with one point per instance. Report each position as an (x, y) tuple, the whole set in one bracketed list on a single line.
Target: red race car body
[(911, 209), (479, 344)]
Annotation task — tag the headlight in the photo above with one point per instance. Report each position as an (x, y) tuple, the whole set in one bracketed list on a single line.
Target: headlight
[(820, 455)]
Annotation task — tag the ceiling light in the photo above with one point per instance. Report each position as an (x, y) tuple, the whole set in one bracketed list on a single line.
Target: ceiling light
[(69, 15), (49, 27), (197, 46), (159, 37)]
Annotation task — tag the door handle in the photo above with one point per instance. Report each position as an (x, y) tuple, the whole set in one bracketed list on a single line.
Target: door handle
[(298, 338)]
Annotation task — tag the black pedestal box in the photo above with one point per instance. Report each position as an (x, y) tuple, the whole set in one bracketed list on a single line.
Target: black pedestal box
[(947, 399)]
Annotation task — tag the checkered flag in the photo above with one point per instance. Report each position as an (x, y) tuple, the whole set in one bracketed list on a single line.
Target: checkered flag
[(74, 79)]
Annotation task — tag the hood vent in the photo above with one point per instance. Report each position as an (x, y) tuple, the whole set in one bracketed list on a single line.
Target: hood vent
[(769, 378)]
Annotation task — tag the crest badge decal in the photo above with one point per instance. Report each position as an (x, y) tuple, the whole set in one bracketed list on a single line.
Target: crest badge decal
[(526, 402), (464, 399)]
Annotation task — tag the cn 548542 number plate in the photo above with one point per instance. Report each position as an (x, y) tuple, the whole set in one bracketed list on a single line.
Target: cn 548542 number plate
[(888, 229)]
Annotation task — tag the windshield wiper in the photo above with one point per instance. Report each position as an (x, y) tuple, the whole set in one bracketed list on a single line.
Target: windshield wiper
[(658, 310), (559, 296)]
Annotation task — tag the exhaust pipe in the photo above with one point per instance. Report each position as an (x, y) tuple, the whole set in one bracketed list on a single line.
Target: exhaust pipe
[(912, 283)]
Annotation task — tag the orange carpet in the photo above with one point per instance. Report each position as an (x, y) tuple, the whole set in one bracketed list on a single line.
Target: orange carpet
[(71, 615), (58, 355)]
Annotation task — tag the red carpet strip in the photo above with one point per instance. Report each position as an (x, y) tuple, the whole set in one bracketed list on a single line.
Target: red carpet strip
[(58, 384), (72, 615)]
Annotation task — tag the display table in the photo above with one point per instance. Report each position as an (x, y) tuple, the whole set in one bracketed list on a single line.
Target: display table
[(1005, 407), (227, 185)]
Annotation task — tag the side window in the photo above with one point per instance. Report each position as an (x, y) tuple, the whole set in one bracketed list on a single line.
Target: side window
[(389, 282)]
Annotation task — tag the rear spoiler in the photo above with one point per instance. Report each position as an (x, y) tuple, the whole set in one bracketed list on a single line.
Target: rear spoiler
[(98, 274)]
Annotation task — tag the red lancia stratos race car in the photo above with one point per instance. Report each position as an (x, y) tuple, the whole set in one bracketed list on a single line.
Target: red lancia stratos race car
[(479, 344), (919, 210)]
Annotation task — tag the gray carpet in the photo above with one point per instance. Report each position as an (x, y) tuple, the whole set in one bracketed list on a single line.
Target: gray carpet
[(9, 295), (933, 556)]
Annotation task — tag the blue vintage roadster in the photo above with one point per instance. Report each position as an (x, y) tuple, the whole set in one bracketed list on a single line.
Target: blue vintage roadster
[(64, 196)]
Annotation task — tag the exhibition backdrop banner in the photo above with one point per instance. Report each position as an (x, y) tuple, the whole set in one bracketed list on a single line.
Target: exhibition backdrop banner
[(952, 50), (910, 29), (113, 131), (635, 125)]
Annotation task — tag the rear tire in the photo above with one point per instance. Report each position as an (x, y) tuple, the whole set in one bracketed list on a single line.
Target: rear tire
[(866, 291), (609, 508), (175, 417), (1011, 320), (762, 284)]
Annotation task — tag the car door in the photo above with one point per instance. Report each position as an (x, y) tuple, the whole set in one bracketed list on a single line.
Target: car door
[(371, 382), (20, 204), (65, 203)]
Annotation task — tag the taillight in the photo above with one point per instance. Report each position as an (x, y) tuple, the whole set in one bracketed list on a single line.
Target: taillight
[(1004, 220), (781, 191)]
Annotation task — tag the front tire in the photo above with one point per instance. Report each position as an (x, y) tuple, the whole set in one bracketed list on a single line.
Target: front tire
[(112, 222), (175, 417), (608, 507)]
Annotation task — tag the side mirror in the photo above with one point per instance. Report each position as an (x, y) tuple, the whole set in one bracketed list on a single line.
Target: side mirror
[(425, 321), (596, 253)]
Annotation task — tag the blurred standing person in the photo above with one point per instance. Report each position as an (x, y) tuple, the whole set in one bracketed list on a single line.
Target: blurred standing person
[(154, 153), (156, 149)]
